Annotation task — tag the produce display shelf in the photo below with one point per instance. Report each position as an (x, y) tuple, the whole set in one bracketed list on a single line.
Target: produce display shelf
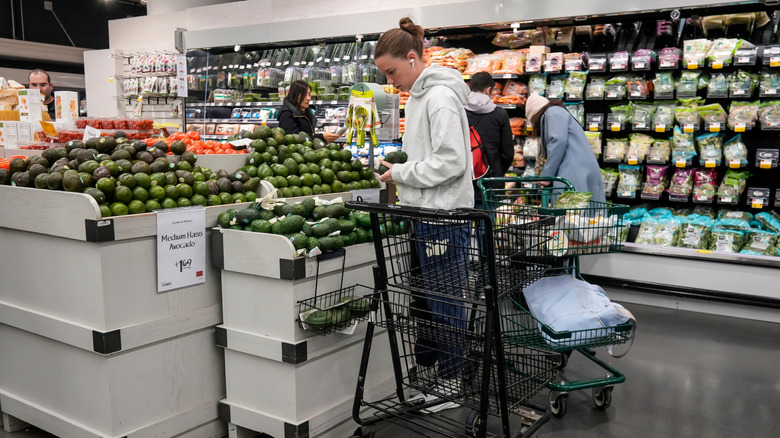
[(700, 254), (79, 298)]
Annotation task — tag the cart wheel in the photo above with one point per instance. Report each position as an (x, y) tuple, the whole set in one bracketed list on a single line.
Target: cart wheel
[(472, 423), (602, 397), (558, 403)]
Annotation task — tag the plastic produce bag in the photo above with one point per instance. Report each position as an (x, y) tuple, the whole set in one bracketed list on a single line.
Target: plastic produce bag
[(655, 182), (647, 230), (761, 242), (664, 84), (610, 178), (577, 110), (682, 145), (743, 114), (664, 114), (668, 232), (695, 234), (726, 240), (639, 146), (682, 182), (537, 84), (630, 178), (616, 149), (733, 184), (710, 147), (768, 222), (642, 114), (531, 147), (594, 139), (573, 200), (735, 150), (575, 85), (704, 183)]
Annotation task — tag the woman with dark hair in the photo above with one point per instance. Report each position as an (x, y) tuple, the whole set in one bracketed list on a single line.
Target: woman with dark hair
[(564, 150), (296, 116), (437, 175)]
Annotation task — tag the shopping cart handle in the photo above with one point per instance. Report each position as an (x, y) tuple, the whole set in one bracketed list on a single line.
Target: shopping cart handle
[(485, 182)]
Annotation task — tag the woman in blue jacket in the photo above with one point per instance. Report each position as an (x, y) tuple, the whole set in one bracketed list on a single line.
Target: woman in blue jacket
[(563, 144)]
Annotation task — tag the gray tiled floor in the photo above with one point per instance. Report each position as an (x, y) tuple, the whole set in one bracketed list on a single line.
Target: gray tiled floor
[(687, 375)]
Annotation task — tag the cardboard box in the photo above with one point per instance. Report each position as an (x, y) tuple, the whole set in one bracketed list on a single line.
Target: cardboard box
[(66, 104), (9, 134), (30, 105), (539, 49)]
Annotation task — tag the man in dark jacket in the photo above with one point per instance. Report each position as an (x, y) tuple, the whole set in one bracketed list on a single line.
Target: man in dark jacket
[(492, 124)]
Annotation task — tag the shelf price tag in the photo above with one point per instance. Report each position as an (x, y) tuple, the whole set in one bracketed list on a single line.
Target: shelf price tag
[(181, 247), (640, 125), (770, 91), (693, 64), (715, 127), (632, 160), (627, 194), (665, 63), (735, 164), (725, 200), (680, 162), (774, 61), (593, 126), (764, 164), (508, 76), (614, 126), (702, 198), (90, 132), (739, 127), (688, 127), (660, 127), (743, 60), (49, 129), (717, 64), (709, 162), (757, 203)]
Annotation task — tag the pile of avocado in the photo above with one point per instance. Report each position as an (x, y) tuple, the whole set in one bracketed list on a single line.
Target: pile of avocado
[(299, 166), (309, 226), (127, 177)]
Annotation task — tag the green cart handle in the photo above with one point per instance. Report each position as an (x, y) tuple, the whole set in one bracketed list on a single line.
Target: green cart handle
[(481, 183)]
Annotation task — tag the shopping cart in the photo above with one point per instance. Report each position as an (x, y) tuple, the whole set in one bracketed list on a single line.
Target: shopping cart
[(437, 293), (587, 229)]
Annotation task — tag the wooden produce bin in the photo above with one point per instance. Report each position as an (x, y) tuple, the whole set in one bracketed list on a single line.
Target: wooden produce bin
[(90, 349), (283, 380)]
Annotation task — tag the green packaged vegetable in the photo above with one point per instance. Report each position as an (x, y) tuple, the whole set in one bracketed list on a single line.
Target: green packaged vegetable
[(726, 240)]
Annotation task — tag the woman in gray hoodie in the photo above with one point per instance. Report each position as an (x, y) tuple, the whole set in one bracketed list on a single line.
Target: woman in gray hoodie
[(437, 175)]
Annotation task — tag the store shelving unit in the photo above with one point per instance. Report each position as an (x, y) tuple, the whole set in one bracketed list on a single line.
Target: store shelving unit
[(90, 348)]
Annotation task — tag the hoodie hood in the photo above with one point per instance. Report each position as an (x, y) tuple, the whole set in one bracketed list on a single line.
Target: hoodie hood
[(438, 75), (480, 103)]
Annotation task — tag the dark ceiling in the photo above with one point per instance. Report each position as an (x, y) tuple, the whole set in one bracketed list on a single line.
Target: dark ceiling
[(86, 21)]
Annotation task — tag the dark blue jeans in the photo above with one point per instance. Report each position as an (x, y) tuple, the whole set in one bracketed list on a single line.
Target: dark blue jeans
[(443, 254)]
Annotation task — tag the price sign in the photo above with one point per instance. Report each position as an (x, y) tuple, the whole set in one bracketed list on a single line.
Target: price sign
[(181, 247), (709, 162), (627, 194), (726, 199), (640, 65), (660, 127), (49, 129), (640, 125), (681, 162), (615, 126), (665, 63), (181, 75), (702, 198), (770, 91), (738, 92), (90, 132), (636, 94), (693, 64), (735, 164), (508, 76), (593, 126), (618, 65), (654, 159), (688, 127), (632, 160), (596, 66), (612, 94), (715, 127), (765, 164), (717, 64), (757, 203), (743, 60), (774, 61)]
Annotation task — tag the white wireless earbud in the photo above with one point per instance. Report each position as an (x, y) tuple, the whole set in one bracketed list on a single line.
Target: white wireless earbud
[(412, 62)]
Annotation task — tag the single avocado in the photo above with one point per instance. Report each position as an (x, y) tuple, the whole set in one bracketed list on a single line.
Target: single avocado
[(17, 165), (20, 179), (189, 157), (99, 196), (120, 134), (140, 146), (40, 181), (185, 177), (71, 182), (156, 153), (238, 187), (37, 159), (101, 172), (144, 156), (161, 145), (283, 210), (141, 167), (36, 169), (74, 144), (106, 145), (120, 155), (224, 185), (54, 182)]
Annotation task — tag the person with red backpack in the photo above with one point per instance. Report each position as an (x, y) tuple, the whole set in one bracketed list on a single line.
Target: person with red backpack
[(492, 147)]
